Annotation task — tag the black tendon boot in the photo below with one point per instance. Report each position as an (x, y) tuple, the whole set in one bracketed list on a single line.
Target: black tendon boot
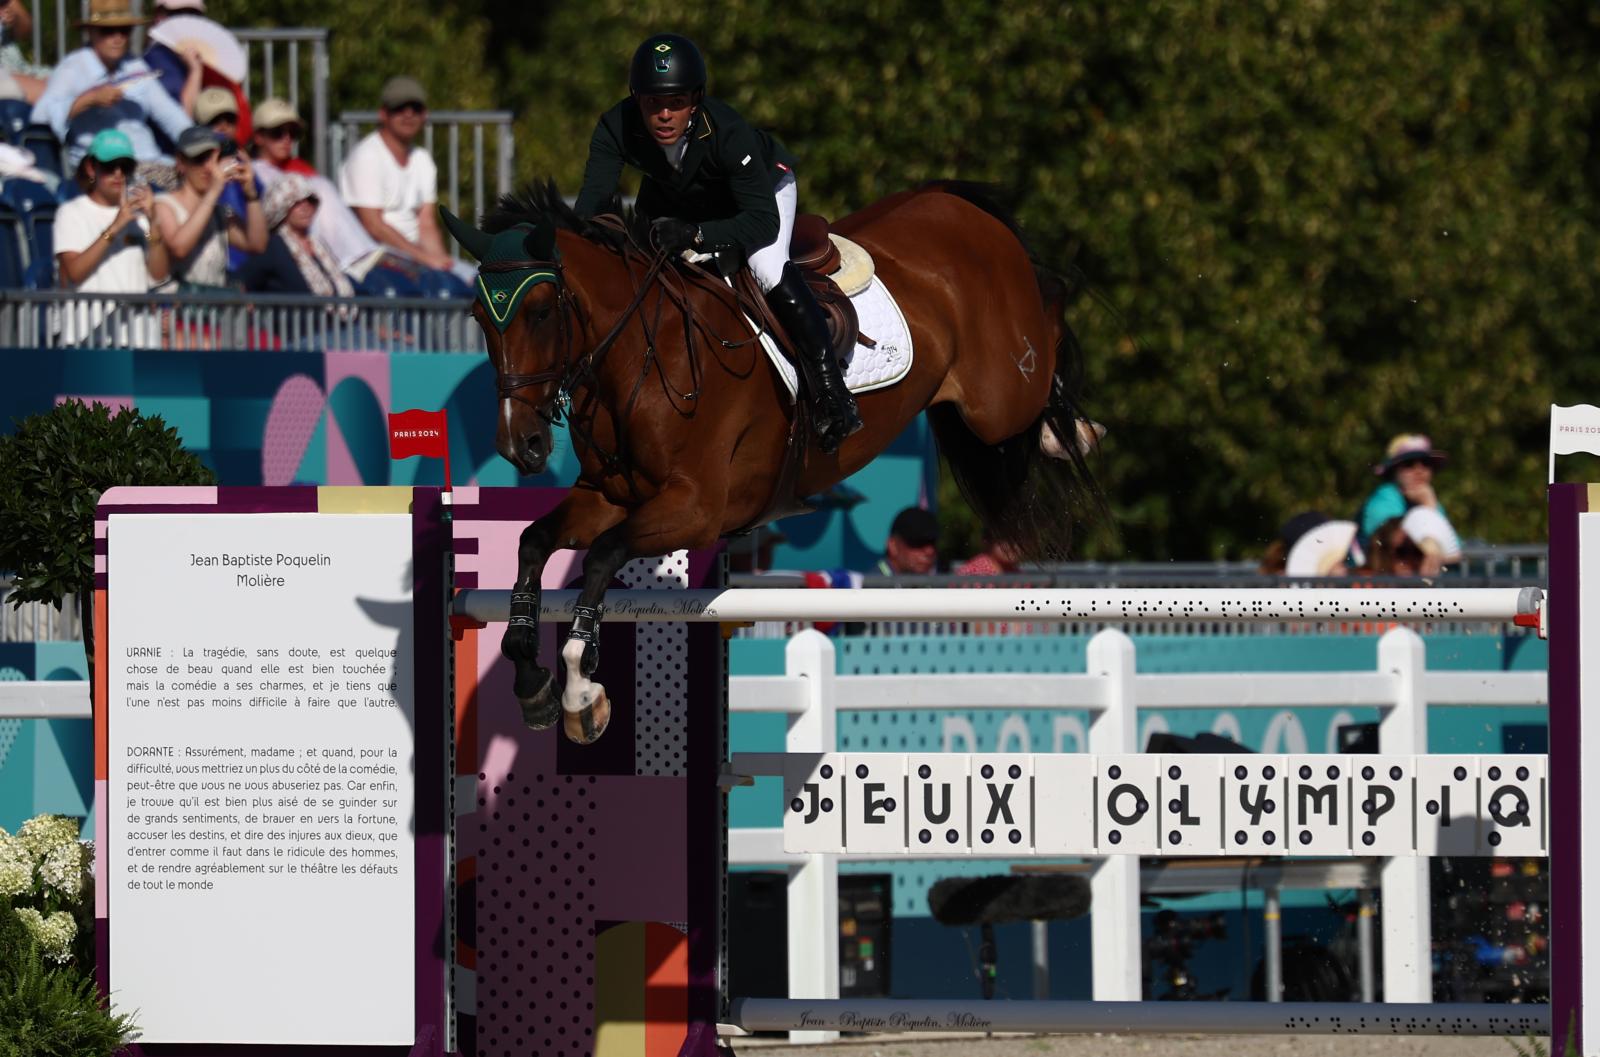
[(833, 408)]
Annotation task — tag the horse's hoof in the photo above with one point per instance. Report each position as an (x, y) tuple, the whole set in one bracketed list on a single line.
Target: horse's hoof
[(542, 707), (586, 724)]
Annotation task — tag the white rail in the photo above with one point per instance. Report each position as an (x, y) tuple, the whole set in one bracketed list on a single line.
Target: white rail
[(1103, 605)]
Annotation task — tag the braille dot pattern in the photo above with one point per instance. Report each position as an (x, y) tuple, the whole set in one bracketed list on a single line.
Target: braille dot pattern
[(536, 922), (660, 672)]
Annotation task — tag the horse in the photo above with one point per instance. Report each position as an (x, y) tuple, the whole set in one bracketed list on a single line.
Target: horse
[(685, 434)]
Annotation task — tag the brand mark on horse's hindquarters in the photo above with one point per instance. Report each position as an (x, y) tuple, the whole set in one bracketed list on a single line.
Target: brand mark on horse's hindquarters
[(1028, 361)]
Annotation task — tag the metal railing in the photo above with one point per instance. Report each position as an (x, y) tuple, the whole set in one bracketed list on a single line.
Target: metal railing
[(286, 54), (477, 127), (37, 621), (222, 321)]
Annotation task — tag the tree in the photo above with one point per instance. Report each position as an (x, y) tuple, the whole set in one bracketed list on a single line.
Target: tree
[(53, 470)]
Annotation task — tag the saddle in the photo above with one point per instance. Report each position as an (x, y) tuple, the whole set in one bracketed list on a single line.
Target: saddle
[(817, 256)]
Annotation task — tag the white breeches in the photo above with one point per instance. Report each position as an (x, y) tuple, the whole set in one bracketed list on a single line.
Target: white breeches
[(767, 262)]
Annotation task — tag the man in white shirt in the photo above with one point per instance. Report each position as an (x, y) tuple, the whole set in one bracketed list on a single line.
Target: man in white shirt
[(104, 245), (392, 184)]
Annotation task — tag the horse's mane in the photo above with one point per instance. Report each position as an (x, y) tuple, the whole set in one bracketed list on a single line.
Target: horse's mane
[(541, 202)]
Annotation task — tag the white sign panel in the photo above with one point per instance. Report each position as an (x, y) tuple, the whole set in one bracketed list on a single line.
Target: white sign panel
[(260, 794)]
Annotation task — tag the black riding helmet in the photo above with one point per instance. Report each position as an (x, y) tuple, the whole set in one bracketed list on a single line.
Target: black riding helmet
[(665, 64)]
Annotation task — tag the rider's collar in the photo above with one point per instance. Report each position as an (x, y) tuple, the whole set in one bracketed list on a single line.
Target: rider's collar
[(501, 290)]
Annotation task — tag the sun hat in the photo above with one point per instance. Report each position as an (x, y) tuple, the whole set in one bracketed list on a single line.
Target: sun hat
[(1432, 532), (398, 91), (1321, 550), (1408, 447), (109, 145), (182, 5), (212, 103), (111, 14), (283, 196), (274, 113)]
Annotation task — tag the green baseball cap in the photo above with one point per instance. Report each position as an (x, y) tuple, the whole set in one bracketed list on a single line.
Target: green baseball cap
[(110, 145)]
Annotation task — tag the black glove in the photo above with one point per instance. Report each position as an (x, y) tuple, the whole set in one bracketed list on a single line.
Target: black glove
[(672, 235)]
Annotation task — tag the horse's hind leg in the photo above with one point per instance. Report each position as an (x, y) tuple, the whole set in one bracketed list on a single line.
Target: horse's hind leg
[(585, 709), (574, 522)]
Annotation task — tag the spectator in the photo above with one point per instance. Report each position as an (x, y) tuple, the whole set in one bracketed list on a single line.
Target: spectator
[(180, 74), (196, 231), (103, 87), (913, 545), (278, 128), (997, 558), (217, 109), (1276, 559), (392, 184), (1322, 550), (104, 241), (19, 79), (1390, 552), (1407, 471), (296, 260)]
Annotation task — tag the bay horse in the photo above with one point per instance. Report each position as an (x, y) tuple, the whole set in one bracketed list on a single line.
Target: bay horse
[(684, 433)]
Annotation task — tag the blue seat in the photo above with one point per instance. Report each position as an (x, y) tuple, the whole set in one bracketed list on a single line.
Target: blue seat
[(11, 263), (39, 233), (13, 119), (41, 140)]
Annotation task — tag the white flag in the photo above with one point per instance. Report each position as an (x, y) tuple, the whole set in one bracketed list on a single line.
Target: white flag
[(1573, 429)]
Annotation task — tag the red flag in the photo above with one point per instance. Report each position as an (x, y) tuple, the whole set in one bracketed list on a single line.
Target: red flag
[(418, 432)]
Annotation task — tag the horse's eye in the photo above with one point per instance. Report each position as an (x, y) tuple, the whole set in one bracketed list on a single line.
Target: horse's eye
[(542, 314)]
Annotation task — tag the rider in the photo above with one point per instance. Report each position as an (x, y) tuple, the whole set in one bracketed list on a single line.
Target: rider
[(712, 180)]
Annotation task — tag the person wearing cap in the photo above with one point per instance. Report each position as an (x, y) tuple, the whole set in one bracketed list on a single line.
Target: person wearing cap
[(392, 184), (913, 545), (197, 231), (101, 87), (1407, 471), (105, 244), (217, 109)]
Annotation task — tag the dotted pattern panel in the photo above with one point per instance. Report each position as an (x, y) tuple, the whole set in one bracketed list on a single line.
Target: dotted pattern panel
[(9, 729), (661, 672), (535, 923)]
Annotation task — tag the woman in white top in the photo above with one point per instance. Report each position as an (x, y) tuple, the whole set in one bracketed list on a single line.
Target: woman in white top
[(197, 233), (105, 245)]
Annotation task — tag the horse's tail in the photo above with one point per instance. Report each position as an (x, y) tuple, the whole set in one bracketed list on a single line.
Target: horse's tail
[(1024, 496)]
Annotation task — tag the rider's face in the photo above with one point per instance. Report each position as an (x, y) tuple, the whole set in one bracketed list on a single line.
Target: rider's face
[(667, 116)]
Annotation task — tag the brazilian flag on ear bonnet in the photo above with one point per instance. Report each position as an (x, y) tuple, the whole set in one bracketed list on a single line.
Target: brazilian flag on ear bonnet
[(501, 290), (666, 64)]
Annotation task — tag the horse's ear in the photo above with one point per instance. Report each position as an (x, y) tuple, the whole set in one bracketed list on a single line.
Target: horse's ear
[(472, 240)]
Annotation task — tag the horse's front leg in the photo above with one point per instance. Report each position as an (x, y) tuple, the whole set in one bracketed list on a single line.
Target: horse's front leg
[(586, 712), (574, 522)]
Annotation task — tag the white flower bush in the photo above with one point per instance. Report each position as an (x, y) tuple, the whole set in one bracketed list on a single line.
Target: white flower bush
[(44, 876)]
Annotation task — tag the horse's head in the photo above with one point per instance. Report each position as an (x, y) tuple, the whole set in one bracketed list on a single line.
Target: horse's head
[(524, 309)]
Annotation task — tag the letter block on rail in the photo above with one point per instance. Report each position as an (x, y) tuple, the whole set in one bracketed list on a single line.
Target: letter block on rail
[(936, 802), (1383, 792), (1191, 805), (1125, 805), (1447, 805), (1319, 805), (875, 802), (1002, 802), (1063, 804), (813, 798), (1511, 811), (1253, 812)]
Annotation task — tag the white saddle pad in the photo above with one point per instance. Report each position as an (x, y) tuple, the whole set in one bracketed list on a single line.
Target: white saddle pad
[(868, 369)]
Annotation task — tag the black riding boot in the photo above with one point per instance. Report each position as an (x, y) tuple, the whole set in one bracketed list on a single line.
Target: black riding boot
[(833, 408)]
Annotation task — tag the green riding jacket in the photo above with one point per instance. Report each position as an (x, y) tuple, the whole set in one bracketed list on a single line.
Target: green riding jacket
[(730, 169)]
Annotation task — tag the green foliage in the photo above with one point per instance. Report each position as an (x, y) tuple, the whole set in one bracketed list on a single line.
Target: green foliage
[(1314, 225), (49, 1009), (52, 472)]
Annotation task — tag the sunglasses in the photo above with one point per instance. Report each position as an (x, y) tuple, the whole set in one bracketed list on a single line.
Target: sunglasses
[(409, 108), (113, 31), (280, 132), (125, 166)]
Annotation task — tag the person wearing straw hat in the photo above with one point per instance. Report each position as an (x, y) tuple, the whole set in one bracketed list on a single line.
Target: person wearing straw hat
[(1407, 470), (101, 86)]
